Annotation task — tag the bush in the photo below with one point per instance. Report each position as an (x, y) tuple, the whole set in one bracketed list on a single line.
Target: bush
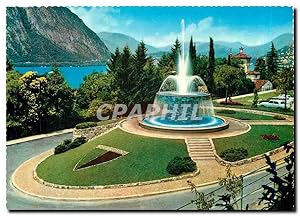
[(179, 165), (234, 154), (86, 125), (77, 142), (278, 117), (68, 144), (226, 111), (270, 137), (231, 103)]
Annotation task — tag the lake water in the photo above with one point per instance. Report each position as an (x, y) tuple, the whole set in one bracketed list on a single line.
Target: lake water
[(74, 75)]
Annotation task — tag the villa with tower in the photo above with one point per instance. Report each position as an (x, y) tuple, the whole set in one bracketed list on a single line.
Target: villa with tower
[(260, 84)]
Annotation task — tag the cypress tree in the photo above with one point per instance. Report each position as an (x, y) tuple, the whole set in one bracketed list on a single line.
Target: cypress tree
[(211, 66), (260, 66), (272, 64), (193, 54)]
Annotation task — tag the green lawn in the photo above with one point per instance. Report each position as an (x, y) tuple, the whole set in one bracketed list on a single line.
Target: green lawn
[(252, 140), (244, 115), (147, 160), (247, 102), (249, 99)]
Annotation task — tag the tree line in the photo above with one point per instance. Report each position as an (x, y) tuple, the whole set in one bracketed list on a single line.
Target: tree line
[(41, 103)]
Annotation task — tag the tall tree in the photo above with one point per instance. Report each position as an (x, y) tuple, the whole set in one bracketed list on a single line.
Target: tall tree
[(193, 54), (272, 63), (260, 66), (285, 82), (228, 78), (175, 50), (211, 66)]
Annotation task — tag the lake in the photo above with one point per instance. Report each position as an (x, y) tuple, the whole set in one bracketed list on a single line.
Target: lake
[(73, 74)]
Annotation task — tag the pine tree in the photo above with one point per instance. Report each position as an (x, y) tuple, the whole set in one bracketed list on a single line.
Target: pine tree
[(138, 73), (124, 81), (175, 50), (260, 66), (193, 55), (272, 64), (114, 61), (211, 66)]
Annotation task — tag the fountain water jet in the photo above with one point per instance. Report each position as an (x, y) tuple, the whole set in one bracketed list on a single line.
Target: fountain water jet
[(184, 101)]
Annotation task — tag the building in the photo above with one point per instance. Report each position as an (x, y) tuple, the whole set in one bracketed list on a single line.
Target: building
[(260, 85), (263, 85), (253, 75), (245, 59)]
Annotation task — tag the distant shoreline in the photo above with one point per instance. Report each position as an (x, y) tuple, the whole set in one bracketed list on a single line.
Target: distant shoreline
[(59, 64)]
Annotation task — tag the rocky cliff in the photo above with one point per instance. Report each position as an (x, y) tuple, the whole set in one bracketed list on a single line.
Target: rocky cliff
[(51, 35)]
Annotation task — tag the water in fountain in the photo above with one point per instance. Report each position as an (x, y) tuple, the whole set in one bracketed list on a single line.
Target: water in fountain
[(186, 95)]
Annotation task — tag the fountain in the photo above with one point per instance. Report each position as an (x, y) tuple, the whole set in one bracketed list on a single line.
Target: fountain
[(183, 101)]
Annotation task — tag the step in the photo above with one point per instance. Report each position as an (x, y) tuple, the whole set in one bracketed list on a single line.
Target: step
[(204, 158), (200, 151), (200, 146), (202, 155), (197, 141)]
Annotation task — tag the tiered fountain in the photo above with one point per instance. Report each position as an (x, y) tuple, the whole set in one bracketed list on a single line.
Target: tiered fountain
[(188, 99)]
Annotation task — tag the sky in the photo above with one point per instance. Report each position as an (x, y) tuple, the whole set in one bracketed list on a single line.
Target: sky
[(160, 26)]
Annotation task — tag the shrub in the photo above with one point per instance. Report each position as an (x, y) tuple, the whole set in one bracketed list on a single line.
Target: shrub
[(68, 144), (77, 142), (270, 137), (60, 149), (234, 154), (226, 111), (86, 125), (179, 165), (231, 103), (278, 117)]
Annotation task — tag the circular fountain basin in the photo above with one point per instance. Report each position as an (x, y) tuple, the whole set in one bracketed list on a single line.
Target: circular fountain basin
[(205, 124)]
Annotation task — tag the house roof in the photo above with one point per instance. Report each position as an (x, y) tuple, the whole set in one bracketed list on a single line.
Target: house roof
[(259, 83), (242, 56), (249, 72)]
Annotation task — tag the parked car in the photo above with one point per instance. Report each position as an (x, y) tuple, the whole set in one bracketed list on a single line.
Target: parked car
[(275, 103), (288, 97)]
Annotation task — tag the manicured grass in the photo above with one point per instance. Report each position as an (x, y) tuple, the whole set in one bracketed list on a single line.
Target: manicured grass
[(247, 102), (253, 142), (92, 154), (107, 122), (249, 99), (147, 160), (244, 115)]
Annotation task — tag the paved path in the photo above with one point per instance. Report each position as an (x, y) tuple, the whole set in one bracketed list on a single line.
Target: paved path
[(236, 127), (210, 171)]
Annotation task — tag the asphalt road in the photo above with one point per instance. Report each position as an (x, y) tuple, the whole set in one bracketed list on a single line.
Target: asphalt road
[(16, 200)]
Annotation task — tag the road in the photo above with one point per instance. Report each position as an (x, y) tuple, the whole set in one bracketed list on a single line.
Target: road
[(16, 200)]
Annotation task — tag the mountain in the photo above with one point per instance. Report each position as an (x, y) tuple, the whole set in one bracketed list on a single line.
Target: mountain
[(222, 48), (114, 40), (46, 35)]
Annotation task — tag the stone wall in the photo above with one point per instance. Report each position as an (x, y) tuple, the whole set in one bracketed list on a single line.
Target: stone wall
[(92, 132)]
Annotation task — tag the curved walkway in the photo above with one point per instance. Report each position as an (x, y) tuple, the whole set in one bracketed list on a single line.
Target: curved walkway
[(210, 171), (236, 127)]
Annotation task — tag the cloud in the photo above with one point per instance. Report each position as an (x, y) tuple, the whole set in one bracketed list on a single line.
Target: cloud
[(207, 27), (101, 18)]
